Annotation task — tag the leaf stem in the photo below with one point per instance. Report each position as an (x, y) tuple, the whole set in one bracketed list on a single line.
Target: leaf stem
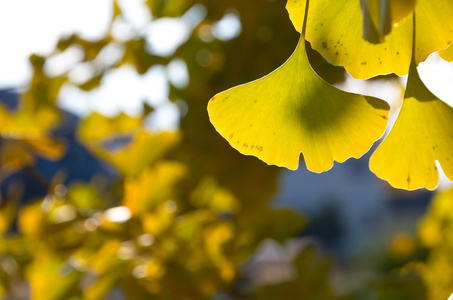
[(304, 26)]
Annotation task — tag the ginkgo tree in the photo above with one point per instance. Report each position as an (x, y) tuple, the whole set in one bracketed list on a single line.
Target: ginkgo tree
[(293, 110)]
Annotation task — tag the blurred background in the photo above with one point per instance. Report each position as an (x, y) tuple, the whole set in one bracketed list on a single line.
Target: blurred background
[(114, 185)]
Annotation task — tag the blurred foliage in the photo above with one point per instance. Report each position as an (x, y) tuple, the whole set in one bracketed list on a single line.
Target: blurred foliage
[(435, 233), (184, 212)]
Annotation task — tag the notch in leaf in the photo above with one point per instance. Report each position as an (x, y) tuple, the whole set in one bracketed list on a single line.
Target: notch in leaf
[(293, 110)]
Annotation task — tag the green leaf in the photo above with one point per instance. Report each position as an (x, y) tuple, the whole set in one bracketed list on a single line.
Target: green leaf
[(336, 34), (421, 135), (293, 110)]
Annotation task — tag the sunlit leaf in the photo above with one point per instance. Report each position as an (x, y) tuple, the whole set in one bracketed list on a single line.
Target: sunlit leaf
[(153, 186), (421, 135), (336, 33), (136, 148), (97, 126), (447, 54), (293, 110), (50, 277), (144, 149), (25, 134), (30, 220)]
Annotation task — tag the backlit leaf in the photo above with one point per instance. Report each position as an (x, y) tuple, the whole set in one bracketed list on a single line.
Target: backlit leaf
[(447, 54), (97, 126), (334, 30), (132, 148), (152, 186), (50, 278), (145, 149), (293, 110), (421, 135)]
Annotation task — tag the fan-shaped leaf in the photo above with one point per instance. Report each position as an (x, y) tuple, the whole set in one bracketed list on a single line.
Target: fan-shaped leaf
[(421, 135), (293, 110)]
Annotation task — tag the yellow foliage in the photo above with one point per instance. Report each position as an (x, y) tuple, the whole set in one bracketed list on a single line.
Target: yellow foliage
[(50, 278), (420, 136), (447, 53), (30, 220), (144, 149), (99, 127), (277, 117), (435, 233), (334, 33), (152, 186)]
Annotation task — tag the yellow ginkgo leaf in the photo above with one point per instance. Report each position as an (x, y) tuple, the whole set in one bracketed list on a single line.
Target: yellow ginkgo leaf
[(447, 54), (421, 135), (336, 33), (293, 110)]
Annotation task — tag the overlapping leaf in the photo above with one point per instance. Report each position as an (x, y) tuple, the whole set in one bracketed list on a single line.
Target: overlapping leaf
[(293, 110), (447, 54), (379, 16), (420, 136), (334, 30)]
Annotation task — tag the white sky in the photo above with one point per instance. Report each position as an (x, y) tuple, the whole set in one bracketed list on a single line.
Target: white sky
[(31, 26)]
